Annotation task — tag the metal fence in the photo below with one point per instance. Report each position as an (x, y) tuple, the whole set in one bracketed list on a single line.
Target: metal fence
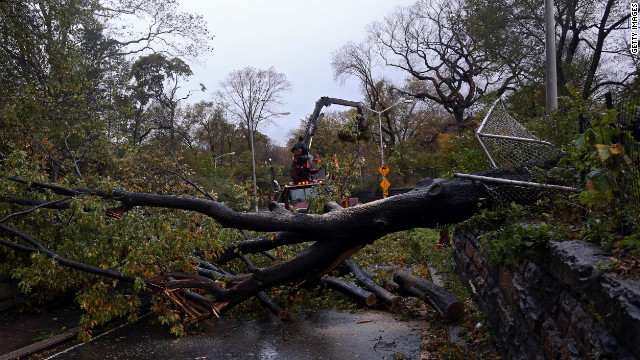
[(628, 111), (506, 142)]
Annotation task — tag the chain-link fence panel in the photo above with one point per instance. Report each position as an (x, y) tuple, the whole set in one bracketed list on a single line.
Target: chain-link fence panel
[(505, 191), (506, 142)]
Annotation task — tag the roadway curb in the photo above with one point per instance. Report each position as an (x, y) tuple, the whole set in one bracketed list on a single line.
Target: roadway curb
[(41, 345)]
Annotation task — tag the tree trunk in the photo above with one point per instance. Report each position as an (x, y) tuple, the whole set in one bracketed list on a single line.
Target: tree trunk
[(334, 237)]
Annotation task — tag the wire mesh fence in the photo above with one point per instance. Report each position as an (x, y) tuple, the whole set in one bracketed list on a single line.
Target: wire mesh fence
[(504, 190), (506, 142), (628, 111)]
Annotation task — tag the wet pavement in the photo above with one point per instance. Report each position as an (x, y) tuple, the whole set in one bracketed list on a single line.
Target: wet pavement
[(18, 330), (317, 334)]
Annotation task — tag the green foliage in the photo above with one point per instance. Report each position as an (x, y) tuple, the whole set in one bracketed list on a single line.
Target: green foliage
[(560, 128), (144, 243), (608, 158), (603, 162), (407, 155), (463, 153), (510, 232), (342, 181)]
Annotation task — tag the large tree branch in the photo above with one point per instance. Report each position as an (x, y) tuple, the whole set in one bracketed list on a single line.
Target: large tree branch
[(334, 237)]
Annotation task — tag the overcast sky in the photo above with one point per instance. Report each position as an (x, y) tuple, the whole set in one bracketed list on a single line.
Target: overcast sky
[(297, 37)]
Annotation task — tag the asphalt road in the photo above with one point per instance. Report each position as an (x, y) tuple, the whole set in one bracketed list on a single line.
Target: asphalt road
[(319, 334)]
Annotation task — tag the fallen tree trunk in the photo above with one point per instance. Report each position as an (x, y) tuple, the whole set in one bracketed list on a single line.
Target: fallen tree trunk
[(447, 304), (334, 236)]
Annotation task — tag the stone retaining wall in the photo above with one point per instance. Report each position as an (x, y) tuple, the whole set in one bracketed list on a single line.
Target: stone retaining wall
[(555, 306)]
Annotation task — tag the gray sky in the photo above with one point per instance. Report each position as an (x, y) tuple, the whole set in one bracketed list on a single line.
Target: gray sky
[(296, 37)]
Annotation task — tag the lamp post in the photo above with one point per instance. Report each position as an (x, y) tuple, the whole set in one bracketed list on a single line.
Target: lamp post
[(406, 101), (215, 160), (550, 51), (253, 157)]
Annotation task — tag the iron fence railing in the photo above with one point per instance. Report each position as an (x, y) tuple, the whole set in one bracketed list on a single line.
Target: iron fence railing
[(628, 111)]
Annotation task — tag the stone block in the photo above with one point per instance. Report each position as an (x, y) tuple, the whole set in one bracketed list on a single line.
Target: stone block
[(468, 250), (505, 283)]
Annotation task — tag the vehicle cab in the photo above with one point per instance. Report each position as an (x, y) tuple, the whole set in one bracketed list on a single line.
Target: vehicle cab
[(296, 196)]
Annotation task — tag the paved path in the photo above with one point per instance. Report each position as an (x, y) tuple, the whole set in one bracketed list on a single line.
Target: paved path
[(319, 334)]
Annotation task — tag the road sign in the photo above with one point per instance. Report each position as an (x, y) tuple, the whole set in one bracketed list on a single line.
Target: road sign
[(385, 184), (384, 170)]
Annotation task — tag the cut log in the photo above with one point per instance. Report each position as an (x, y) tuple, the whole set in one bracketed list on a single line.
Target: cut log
[(386, 297), (447, 304), (350, 290)]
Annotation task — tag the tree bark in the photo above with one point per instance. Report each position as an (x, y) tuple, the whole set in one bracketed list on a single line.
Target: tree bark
[(386, 297), (450, 308), (351, 290)]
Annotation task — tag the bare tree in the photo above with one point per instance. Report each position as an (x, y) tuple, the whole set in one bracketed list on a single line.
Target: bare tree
[(591, 38), (253, 96), (429, 41), (400, 123), (153, 26)]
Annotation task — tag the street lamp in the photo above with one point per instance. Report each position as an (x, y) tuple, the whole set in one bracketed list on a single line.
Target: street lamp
[(253, 157), (215, 160), (406, 101)]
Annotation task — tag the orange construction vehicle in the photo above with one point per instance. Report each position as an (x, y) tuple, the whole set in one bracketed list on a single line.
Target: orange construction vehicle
[(305, 170)]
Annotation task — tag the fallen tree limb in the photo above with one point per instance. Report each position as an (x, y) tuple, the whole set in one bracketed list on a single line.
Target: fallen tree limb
[(333, 237), (390, 300), (447, 304), (276, 309), (351, 290)]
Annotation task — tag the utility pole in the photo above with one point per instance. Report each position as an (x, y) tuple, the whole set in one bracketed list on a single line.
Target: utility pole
[(550, 49)]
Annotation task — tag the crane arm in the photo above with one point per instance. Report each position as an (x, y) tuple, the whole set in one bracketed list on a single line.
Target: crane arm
[(316, 116)]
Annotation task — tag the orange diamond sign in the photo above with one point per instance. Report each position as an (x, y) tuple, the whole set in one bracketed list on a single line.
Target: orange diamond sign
[(384, 170), (385, 184)]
